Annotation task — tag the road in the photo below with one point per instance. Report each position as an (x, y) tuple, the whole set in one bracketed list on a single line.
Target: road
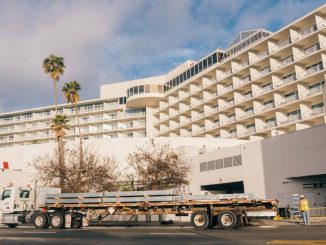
[(289, 234)]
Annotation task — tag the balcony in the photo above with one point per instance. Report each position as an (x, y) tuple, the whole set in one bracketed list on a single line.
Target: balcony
[(267, 88), (282, 44), (314, 90), (264, 72), (287, 80), (291, 118), (287, 61), (268, 107), (311, 50), (262, 55), (231, 119), (245, 79), (308, 31), (314, 69), (212, 110), (271, 124), (289, 99), (314, 112)]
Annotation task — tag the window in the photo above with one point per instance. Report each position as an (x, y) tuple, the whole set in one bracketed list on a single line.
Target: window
[(6, 194), (24, 194), (123, 100)]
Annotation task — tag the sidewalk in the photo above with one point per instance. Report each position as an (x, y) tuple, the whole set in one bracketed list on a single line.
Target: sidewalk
[(313, 221)]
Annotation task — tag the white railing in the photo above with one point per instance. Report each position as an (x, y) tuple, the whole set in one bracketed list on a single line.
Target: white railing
[(314, 69), (264, 71), (287, 61), (289, 99), (231, 119), (247, 96), (311, 49), (262, 55), (269, 106), (308, 30), (245, 79), (270, 125), (267, 88), (315, 90), (284, 43)]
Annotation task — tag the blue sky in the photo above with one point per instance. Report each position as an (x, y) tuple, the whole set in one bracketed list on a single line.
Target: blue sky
[(106, 41)]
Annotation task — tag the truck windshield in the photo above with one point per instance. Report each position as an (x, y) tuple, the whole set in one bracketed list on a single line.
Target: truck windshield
[(6, 194)]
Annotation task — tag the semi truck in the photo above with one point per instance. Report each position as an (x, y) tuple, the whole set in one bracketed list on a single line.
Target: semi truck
[(46, 207)]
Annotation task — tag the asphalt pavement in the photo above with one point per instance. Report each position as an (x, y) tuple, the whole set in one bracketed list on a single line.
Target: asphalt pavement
[(175, 234)]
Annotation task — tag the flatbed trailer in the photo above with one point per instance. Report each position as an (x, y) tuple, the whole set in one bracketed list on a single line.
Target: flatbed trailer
[(77, 209)]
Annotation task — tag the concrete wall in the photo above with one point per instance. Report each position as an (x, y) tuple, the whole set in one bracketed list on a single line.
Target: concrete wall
[(275, 168), (290, 160), (20, 157)]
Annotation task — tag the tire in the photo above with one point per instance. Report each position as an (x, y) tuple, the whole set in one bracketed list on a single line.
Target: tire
[(200, 220), (41, 221), (227, 220), (12, 225), (57, 221)]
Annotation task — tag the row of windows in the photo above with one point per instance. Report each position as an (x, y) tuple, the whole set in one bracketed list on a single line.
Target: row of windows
[(247, 42), (201, 65), (141, 89)]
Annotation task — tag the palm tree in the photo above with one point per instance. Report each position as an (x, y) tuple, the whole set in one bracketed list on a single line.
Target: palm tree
[(59, 125), (71, 94), (70, 91), (54, 65)]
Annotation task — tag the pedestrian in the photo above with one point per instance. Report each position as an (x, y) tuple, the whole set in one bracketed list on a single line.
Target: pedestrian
[(304, 209)]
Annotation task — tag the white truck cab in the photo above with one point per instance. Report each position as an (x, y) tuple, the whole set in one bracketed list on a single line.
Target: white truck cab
[(15, 200), (18, 203)]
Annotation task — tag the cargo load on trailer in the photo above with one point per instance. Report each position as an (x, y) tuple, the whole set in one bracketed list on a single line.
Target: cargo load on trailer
[(75, 210)]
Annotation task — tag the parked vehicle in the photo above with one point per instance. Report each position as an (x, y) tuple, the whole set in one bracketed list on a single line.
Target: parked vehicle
[(49, 208)]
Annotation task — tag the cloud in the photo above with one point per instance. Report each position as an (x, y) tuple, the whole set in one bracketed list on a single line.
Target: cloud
[(106, 41)]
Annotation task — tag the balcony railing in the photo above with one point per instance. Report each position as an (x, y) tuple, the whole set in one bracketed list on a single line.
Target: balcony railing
[(315, 90), (231, 119), (314, 69), (311, 49), (289, 99), (288, 60), (248, 96), (267, 88), (262, 55), (270, 125), (268, 106), (318, 111), (308, 30), (284, 43)]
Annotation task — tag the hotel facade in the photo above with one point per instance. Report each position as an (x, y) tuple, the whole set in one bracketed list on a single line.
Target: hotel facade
[(264, 84)]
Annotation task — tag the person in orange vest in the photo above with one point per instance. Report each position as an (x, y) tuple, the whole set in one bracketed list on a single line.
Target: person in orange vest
[(304, 209)]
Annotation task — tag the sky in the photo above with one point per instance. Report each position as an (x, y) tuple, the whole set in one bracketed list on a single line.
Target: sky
[(107, 41)]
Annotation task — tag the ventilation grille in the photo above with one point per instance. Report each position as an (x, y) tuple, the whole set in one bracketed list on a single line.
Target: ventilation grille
[(227, 162)]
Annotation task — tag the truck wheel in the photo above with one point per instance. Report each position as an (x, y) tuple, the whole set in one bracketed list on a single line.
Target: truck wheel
[(57, 221), (227, 220), (41, 221), (200, 220)]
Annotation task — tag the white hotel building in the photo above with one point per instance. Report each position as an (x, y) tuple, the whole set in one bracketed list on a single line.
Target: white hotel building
[(264, 84)]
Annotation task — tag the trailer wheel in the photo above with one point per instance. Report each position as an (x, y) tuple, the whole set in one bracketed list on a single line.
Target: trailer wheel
[(41, 221), (200, 220), (227, 220), (57, 221)]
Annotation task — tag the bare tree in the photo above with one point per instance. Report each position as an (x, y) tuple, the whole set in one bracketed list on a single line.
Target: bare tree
[(157, 166), (98, 173)]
